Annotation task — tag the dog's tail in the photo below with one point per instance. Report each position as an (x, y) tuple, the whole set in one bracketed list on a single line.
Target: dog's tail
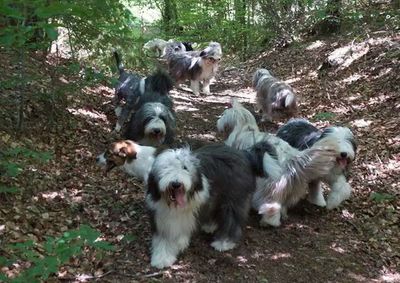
[(160, 81), (120, 66), (297, 172), (290, 100)]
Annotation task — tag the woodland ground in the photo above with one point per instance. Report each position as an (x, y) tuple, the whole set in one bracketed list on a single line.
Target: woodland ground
[(359, 242)]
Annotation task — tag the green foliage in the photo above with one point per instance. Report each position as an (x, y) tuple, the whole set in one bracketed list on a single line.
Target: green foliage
[(324, 116), (14, 159), (56, 252), (381, 197)]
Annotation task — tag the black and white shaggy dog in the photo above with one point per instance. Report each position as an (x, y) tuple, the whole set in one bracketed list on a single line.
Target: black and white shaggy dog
[(210, 187), (193, 66), (131, 87), (288, 171), (302, 135), (273, 95), (153, 121)]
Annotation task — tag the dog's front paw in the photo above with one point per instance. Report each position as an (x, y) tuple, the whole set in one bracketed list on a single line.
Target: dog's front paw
[(117, 128), (161, 260), (336, 197), (223, 245), (318, 200), (273, 220)]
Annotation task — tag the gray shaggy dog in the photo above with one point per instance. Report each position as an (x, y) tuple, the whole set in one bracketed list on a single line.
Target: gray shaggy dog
[(301, 134), (273, 95)]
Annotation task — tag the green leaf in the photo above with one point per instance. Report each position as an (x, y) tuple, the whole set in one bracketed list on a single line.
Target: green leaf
[(51, 32), (104, 245), (11, 169), (380, 197), (129, 238), (324, 116), (7, 39), (8, 190)]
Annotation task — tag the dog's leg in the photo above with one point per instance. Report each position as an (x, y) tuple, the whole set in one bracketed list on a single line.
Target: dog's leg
[(209, 227), (195, 86), (206, 87), (340, 191), (165, 250), (315, 195), (271, 214), (267, 113), (230, 220)]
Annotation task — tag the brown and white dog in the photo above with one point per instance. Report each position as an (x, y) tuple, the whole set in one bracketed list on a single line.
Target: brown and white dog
[(134, 159)]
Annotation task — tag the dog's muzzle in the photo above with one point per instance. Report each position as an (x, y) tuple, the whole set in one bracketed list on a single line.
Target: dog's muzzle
[(343, 160), (176, 194)]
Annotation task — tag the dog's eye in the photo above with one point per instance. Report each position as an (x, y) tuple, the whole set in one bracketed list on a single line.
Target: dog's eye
[(147, 120), (184, 167)]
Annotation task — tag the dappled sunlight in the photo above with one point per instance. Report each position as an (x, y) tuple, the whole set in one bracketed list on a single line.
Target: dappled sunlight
[(340, 110), (378, 99), (378, 169), (390, 276), (280, 256), (203, 137), (92, 114), (335, 247), (361, 123), (293, 80), (186, 108), (353, 78), (347, 215), (315, 45)]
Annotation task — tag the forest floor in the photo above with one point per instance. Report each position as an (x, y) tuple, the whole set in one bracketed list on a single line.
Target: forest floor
[(358, 242)]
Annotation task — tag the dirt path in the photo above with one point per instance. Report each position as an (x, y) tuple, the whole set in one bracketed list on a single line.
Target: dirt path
[(356, 243)]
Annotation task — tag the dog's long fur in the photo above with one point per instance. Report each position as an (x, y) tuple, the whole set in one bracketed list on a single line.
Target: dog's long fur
[(288, 172), (153, 123), (273, 94), (196, 68), (302, 135), (211, 186), (131, 87)]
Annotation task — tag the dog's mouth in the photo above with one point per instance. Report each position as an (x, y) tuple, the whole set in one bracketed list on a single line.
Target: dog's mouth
[(213, 60), (176, 195), (109, 166), (343, 162)]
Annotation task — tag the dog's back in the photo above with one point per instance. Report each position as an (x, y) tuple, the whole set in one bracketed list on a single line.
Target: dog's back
[(299, 133)]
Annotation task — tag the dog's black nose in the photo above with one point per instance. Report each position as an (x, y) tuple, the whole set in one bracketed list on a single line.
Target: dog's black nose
[(343, 154), (176, 185), (156, 131)]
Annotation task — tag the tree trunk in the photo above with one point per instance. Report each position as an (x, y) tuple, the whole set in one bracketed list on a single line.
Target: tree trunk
[(170, 16)]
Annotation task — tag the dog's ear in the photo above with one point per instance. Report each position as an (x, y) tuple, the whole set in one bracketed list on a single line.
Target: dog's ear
[(124, 149), (128, 151)]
